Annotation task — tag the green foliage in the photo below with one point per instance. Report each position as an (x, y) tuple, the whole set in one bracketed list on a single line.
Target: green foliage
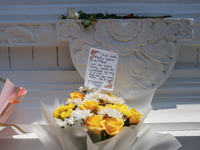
[(87, 19), (104, 135)]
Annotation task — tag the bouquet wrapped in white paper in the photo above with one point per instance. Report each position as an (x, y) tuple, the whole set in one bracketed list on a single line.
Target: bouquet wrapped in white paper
[(92, 120)]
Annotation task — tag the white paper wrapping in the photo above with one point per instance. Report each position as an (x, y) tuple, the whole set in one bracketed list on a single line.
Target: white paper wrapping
[(129, 138)]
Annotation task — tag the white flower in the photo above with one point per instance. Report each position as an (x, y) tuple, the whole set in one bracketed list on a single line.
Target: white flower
[(89, 90), (76, 118), (79, 115), (113, 113), (72, 13), (105, 97), (80, 89), (113, 100), (91, 97), (64, 123), (76, 101)]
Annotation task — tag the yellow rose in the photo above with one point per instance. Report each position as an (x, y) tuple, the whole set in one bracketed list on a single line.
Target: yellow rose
[(76, 95), (94, 127), (94, 121), (135, 116), (112, 125), (102, 107), (90, 105), (124, 109)]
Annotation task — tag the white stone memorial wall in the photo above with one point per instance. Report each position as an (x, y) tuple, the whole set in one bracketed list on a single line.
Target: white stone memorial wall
[(31, 56)]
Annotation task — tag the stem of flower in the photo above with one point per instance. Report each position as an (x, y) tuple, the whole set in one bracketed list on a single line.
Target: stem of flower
[(2, 80)]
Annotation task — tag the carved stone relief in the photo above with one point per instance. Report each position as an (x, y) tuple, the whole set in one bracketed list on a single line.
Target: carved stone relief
[(147, 48), (24, 34)]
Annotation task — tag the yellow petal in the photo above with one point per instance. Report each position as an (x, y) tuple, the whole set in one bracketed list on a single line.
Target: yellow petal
[(112, 125), (91, 105)]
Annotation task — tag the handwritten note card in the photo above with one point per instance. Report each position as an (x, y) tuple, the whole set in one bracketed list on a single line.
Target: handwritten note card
[(101, 69)]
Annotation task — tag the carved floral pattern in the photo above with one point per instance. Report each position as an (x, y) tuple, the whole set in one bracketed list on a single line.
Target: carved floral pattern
[(147, 48), (13, 34), (45, 33), (123, 38)]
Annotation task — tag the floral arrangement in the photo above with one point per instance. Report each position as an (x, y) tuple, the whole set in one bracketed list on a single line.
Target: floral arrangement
[(87, 19), (101, 113)]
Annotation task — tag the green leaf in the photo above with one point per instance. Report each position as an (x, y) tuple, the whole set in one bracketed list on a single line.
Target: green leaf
[(86, 22), (99, 16), (113, 16), (107, 16), (93, 18), (87, 19), (104, 135), (126, 123), (83, 16), (62, 17), (75, 107), (94, 111)]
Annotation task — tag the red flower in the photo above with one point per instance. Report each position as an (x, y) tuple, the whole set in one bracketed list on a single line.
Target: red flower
[(128, 16)]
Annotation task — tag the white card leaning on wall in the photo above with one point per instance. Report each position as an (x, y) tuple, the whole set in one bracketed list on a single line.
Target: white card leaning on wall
[(101, 69)]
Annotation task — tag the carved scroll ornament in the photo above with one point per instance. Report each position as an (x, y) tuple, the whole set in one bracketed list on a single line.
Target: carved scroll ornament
[(147, 48), (23, 34)]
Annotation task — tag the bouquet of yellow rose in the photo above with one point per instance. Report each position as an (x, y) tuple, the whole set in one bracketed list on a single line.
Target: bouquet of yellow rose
[(90, 117), (101, 113)]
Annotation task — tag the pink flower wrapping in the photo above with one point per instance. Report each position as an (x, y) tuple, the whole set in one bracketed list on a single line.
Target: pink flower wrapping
[(9, 99)]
